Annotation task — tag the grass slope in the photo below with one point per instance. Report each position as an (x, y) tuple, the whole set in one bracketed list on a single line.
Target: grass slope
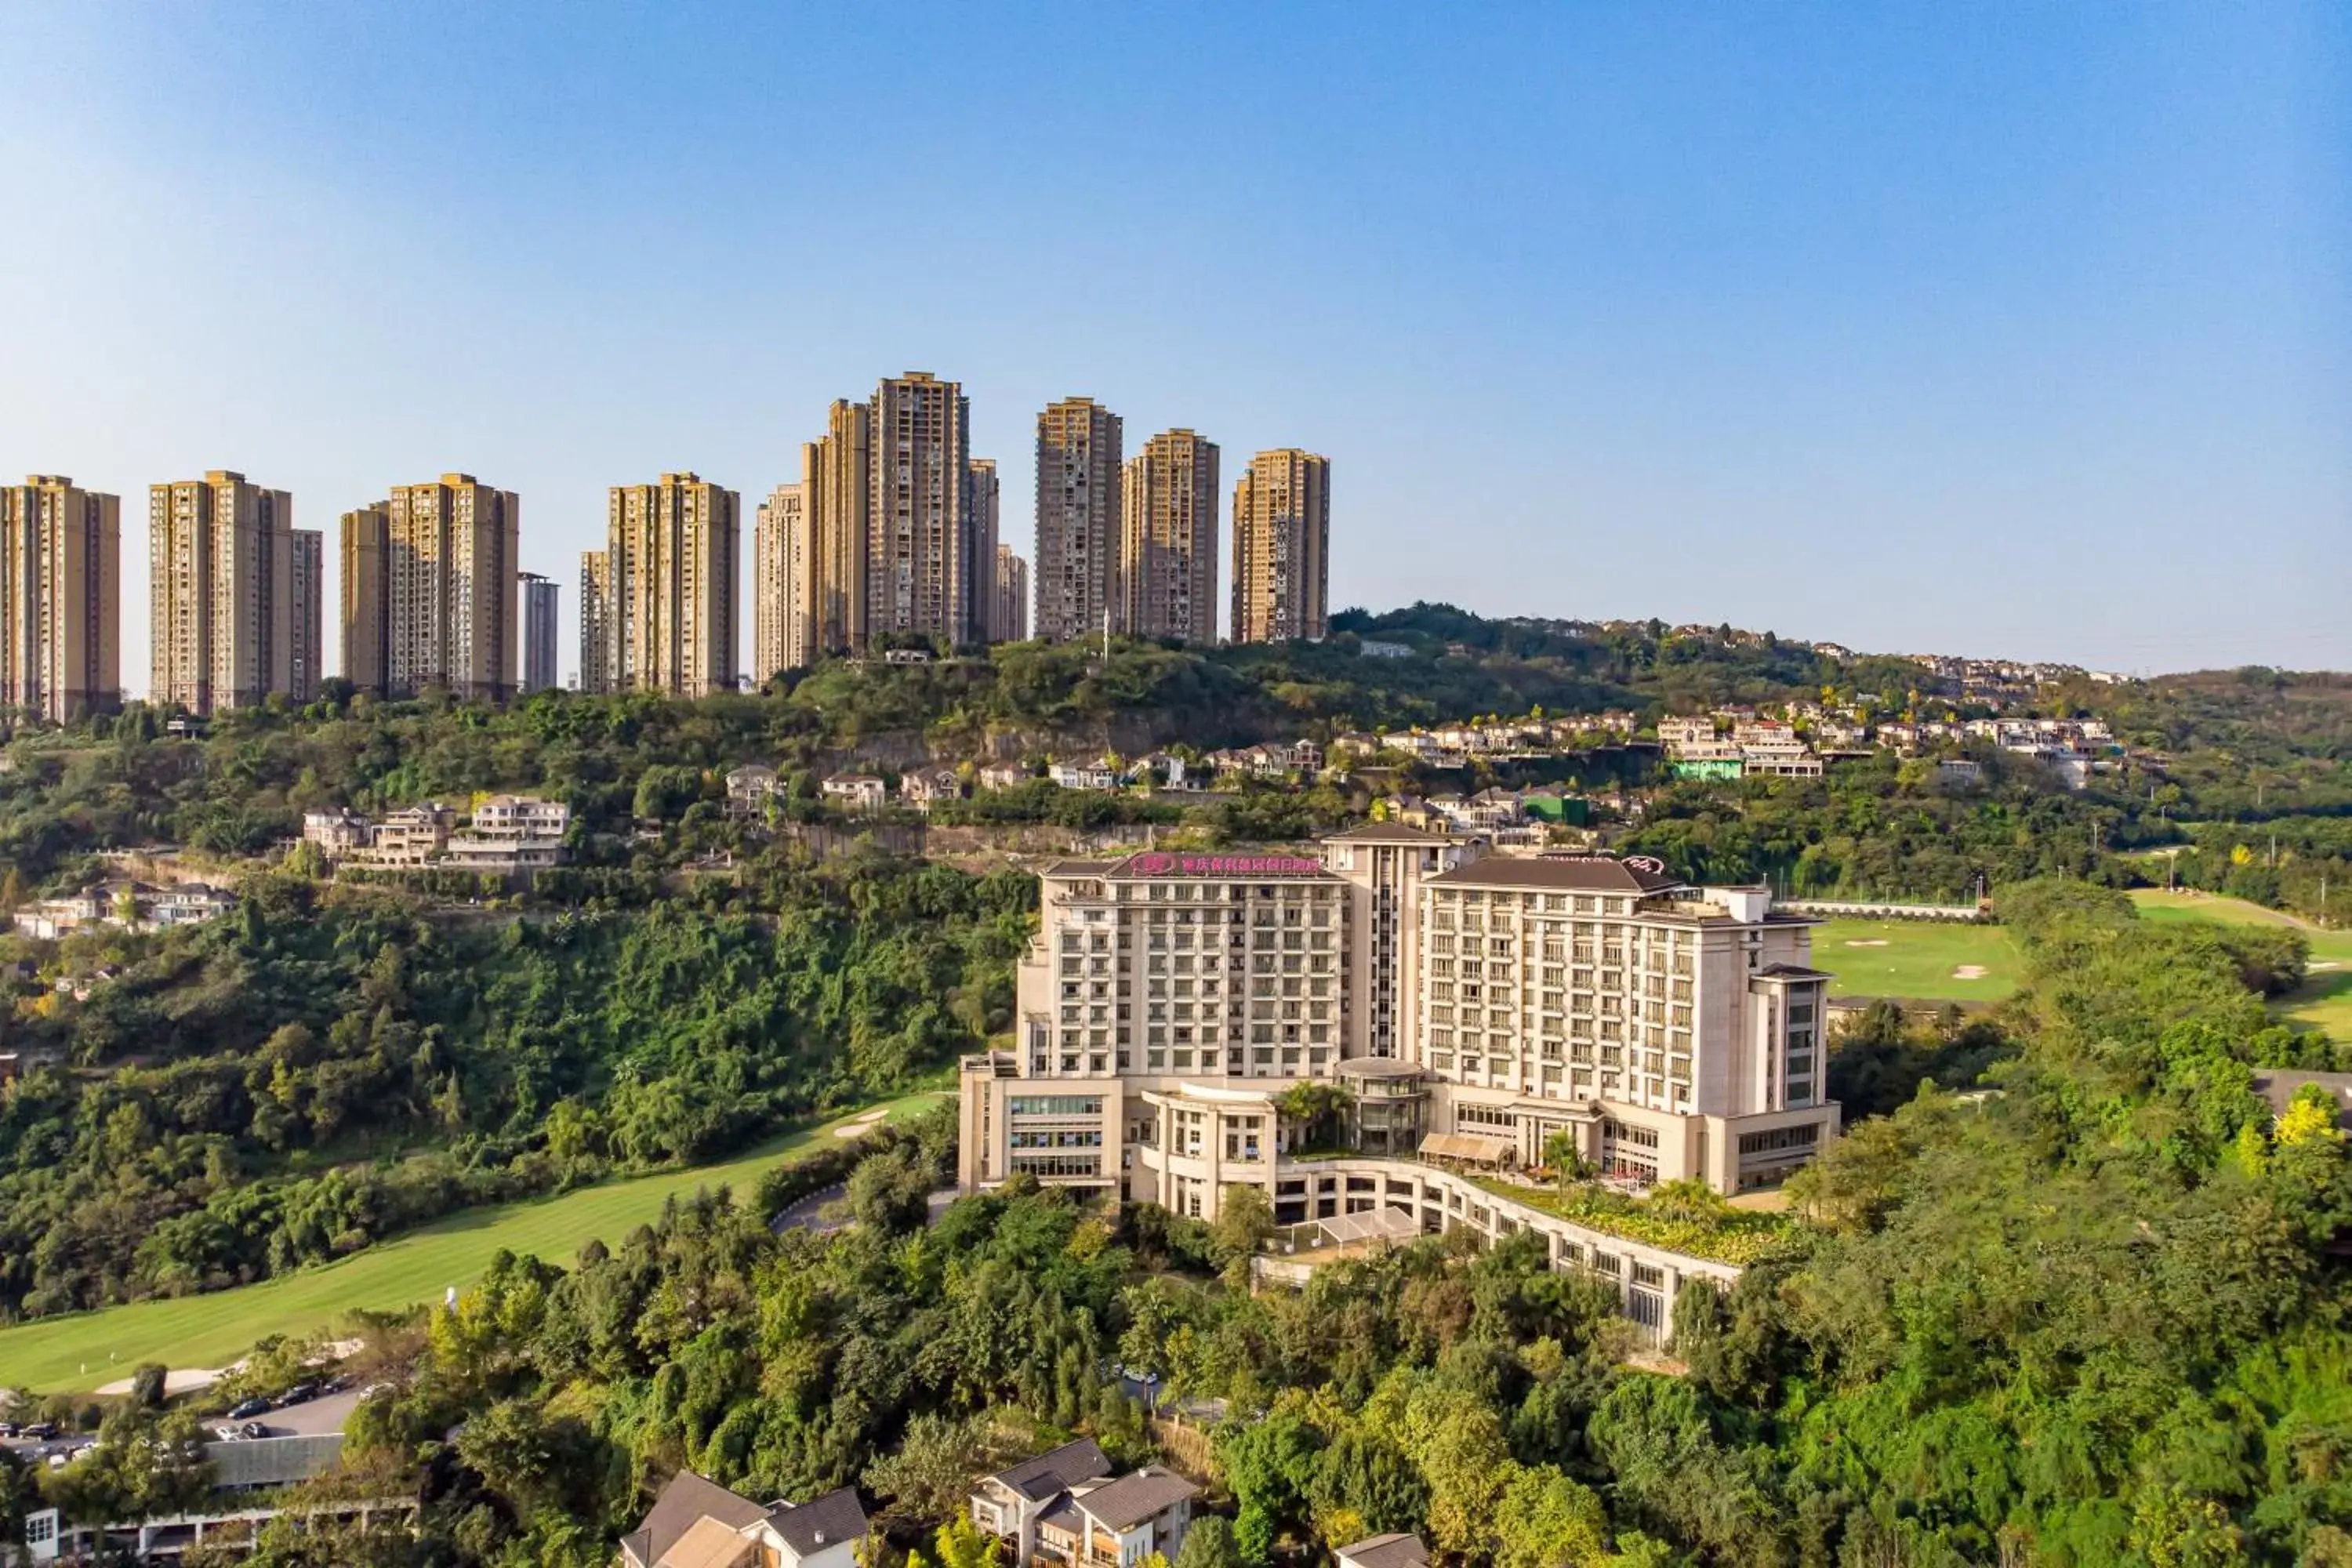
[(85, 1351), (1916, 959), (2323, 1001)]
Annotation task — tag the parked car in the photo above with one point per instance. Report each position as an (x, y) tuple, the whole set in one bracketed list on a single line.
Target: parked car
[(298, 1394), (244, 1408), (8, 1429), (254, 1429), (226, 1432), (40, 1431)]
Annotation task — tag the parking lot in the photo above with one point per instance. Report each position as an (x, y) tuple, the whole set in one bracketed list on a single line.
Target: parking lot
[(312, 1418)]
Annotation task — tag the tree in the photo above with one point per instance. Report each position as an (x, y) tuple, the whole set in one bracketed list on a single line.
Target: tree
[(1567, 1164), (1270, 1465), (18, 1496), (962, 1544), (933, 1469), (1245, 1223), (1209, 1544), (143, 1466), (1548, 1521), (890, 1191), (1314, 1108), (147, 1384), (1370, 1478)]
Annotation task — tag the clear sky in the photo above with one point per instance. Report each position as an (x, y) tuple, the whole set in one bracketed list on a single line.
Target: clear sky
[(2004, 329)]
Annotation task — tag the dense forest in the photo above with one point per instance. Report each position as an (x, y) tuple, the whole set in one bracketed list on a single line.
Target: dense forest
[(2238, 781), (329, 1066), (121, 780), (341, 1062), (2085, 1311), (2070, 1292)]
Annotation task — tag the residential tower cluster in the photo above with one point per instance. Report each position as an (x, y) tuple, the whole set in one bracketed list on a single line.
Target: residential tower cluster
[(891, 539)]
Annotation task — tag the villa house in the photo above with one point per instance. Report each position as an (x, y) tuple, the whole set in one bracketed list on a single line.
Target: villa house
[(1102, 774), (697, 1524), (750, 788), (854, 793), (923, 788), (1007, 1503), (1063, 1509), (1385, 1552), (1117, 1524)]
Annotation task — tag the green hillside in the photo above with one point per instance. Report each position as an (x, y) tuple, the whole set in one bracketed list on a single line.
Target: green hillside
[(84, 1350)]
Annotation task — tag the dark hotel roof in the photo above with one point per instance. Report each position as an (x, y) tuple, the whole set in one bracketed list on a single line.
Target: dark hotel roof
[(1576, 873)]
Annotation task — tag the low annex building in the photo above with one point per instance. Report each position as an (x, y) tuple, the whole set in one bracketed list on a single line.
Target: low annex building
[(1472, 1004)]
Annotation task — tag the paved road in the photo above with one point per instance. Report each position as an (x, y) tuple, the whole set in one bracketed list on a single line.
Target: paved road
[(315, 1418)]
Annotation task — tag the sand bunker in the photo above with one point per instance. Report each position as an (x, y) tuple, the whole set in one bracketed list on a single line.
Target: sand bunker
[(1969, 972)]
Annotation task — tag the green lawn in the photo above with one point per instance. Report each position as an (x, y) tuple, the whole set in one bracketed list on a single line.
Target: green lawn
[(2324, 999), (94, 1348), (1924, 960)]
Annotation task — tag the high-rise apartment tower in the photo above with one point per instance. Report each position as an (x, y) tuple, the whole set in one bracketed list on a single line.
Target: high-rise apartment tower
[(366, 610), (430, 590), (539, 611), (919, 560), (672, 548), (1078, 455), (981, 486), (306, 663), (222, 623), (783, 584), (1282, 535), (1168, 554), (1011, 621), (836, 500), (60, 620), (596, 622)]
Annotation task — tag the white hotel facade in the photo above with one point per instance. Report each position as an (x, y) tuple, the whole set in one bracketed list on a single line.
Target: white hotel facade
[(1471, 1005)]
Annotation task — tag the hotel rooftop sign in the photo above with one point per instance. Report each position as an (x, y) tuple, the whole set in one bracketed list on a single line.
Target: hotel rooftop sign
[(1154, 863)]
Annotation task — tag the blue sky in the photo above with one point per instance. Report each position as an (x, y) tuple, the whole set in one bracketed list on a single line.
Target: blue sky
[(2002, 328)]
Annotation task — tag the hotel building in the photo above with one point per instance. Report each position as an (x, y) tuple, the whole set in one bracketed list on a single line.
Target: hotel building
[(1471, 1006)]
